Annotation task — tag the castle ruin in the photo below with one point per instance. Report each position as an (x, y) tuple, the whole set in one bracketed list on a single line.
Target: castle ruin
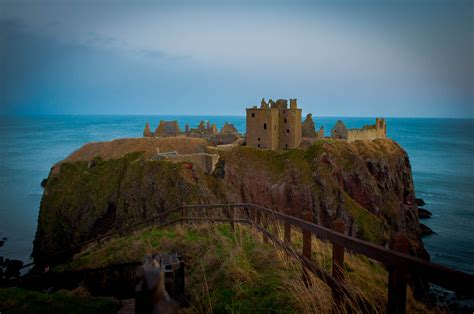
[(367, 132), (309, 128), (227, 135), (274, 125), (167, 129)]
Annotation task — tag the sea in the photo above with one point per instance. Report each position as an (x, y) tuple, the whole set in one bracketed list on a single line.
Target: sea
[(441, 152)]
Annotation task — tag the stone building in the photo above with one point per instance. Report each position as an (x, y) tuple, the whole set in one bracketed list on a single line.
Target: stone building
[(367, 132), (167, 129), (274, 125), (229, 128)]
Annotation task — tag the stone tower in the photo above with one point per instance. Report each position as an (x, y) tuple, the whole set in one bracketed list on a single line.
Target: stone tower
[(274, 125)]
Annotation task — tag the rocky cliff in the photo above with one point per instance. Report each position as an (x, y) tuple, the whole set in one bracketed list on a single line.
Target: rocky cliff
[(368, 184)]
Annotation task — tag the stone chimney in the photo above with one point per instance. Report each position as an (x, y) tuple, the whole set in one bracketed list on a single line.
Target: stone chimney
[(147, 131), (293, 104)]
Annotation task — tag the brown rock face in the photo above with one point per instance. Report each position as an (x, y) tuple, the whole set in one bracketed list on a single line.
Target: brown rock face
[(367, 184)]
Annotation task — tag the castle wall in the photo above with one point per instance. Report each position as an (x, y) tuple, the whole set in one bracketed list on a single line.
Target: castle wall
[(206, 162), (262, 128), (290, 128), (366, 133)]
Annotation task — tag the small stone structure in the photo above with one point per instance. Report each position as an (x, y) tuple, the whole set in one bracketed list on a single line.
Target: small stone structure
[(147, 131), (274, 125), (309, 128), (229, 128), (205, 162), (367, 132), (166, 129), (204, 129)]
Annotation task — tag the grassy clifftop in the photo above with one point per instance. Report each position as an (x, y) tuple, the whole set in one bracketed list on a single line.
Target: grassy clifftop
[(367, 184)]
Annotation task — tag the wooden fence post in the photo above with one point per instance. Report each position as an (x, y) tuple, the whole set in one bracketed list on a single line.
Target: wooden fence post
[(338, 262), (287, 233), (308, 216), (232, 216), (397, 278), (265, 226)]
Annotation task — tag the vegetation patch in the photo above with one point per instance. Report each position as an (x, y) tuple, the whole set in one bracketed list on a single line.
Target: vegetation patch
[(233, 270), (15, 300)]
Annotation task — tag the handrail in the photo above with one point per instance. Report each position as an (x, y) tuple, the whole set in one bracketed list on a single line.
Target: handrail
[(451, 279)]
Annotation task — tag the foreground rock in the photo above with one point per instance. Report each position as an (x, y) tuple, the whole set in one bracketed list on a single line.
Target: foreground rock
[(367, 184)]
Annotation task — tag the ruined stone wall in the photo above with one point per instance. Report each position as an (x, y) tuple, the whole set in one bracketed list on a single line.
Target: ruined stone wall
[(206, 162), (366, 133), (362, 134)]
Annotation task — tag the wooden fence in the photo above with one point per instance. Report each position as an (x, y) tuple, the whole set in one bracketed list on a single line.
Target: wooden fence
[(397, 260)]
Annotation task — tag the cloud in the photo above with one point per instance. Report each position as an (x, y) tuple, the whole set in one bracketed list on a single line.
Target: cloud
[(383, 58)]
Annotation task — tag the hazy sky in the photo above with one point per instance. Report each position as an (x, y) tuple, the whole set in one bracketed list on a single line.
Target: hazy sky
[(339, 58)]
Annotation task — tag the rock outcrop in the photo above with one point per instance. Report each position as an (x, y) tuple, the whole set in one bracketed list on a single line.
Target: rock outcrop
[(367, 184)]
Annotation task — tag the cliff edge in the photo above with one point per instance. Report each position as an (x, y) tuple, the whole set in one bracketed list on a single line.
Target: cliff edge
[(108, 185)]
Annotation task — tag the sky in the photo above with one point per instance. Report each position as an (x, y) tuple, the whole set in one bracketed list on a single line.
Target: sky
[(392, 58)]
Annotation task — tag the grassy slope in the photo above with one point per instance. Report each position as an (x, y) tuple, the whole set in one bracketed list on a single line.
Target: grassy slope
[(15, 300), (235, 271)]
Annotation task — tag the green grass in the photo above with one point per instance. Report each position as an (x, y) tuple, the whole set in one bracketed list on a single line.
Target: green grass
[(15, 300), (233, 270)]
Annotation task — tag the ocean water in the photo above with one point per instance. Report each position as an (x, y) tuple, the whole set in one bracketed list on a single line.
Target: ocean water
[(441, 153)]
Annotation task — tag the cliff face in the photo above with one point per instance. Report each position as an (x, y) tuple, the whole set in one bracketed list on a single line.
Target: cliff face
[(367, 184)]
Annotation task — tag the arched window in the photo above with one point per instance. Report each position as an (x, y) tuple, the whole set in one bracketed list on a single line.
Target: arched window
[(288, 131), (253, 115), (264, 126), (285, 120)]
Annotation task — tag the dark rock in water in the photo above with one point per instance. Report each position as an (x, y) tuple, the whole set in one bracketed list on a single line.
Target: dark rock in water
[(2, 242), (12, 268), (424, 213), (420, 202), (44, 182), (425, 230)]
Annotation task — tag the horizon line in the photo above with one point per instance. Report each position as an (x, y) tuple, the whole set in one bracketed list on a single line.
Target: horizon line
[(14, 115)]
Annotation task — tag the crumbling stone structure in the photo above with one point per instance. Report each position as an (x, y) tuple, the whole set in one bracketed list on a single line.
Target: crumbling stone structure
[(167, 129), (274, 125), (204, 129), (367, 132), (227, 135), (309, 128), (229, 128), (206, 162), (147, 131)]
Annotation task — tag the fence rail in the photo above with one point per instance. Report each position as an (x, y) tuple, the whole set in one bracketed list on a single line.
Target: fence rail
[(397, 261)]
